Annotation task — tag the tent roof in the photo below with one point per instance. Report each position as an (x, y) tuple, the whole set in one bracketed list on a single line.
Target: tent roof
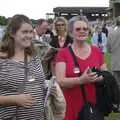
[(77, 9)]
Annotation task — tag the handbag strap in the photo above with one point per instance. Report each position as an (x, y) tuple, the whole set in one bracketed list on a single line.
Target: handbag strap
[(74, 57), (25, 70), (22, 87), (77, 65)]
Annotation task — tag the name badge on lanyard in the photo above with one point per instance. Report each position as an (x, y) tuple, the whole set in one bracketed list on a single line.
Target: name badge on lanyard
[(76, 70), (31, 78)]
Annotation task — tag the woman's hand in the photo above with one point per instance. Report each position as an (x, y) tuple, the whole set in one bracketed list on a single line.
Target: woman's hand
[(24, 100), (88, 76)]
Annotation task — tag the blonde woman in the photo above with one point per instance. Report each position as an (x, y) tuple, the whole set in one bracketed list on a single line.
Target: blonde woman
[(61, 38), (60, 29)]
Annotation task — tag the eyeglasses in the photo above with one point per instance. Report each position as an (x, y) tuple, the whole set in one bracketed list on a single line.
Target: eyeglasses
[(60, 24), (84, 29)]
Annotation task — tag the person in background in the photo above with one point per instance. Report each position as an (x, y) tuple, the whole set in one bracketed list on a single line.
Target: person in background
[(105, 30), (42, 40), (99, 39), (50, 28), (68, 75), (92, 29), (60, 29), (40, 30), (16, 43), (113, 45), (41, 27), (61, 38)]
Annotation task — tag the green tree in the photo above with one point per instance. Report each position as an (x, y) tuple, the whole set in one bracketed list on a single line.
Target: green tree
[(3, 20)]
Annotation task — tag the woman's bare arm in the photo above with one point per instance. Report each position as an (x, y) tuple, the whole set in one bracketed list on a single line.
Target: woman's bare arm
[(69, 82), (62, 80), (7, 100)]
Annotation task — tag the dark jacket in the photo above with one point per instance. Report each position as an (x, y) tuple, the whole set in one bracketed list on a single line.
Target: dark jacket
[(107, 91), (55, 43)]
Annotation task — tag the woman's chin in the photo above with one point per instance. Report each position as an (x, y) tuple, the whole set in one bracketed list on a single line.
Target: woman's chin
[(82, 38), (27, 45)]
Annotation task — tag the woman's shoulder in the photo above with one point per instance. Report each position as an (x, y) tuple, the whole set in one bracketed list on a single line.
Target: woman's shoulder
[(35, 58), (95, 49), (63, 53), (35, 62), (5, 63)]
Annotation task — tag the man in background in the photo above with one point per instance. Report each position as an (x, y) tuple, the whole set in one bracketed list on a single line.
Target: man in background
[(42, 40), (40, 30), (99, 39), (105, 30), (113, 45)]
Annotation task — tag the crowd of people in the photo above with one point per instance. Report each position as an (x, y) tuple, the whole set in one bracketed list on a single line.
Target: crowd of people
[(23, 72)]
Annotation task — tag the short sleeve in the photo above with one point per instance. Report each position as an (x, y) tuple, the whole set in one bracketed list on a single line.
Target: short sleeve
[(61, 55)]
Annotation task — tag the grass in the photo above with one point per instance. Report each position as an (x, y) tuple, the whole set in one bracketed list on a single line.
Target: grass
[(113, 116), (108, 60)]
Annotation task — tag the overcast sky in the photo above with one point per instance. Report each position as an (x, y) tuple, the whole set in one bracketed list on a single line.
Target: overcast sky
[(38, 8)]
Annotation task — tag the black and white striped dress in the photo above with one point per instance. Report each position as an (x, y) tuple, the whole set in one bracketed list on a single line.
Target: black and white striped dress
[(11, 78)]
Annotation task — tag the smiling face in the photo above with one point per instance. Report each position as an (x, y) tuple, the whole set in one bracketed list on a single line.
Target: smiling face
[(23, 36), (80, 31)]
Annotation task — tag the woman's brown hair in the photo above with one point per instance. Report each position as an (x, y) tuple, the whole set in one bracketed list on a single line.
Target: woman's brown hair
[(7, 43)]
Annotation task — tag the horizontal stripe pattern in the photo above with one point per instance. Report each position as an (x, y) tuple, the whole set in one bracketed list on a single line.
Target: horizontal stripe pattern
[(11, 80)]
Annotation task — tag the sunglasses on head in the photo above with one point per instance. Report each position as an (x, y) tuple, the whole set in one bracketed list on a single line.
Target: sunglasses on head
[(79, 29)]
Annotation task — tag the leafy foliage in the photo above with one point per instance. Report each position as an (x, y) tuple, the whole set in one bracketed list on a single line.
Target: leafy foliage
[(3, 20)]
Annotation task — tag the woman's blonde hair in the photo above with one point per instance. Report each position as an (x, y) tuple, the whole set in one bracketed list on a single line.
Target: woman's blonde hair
[(7, 43), (61, 19)]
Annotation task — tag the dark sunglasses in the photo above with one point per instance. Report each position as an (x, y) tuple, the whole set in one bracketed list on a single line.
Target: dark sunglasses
[(84, 29)]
